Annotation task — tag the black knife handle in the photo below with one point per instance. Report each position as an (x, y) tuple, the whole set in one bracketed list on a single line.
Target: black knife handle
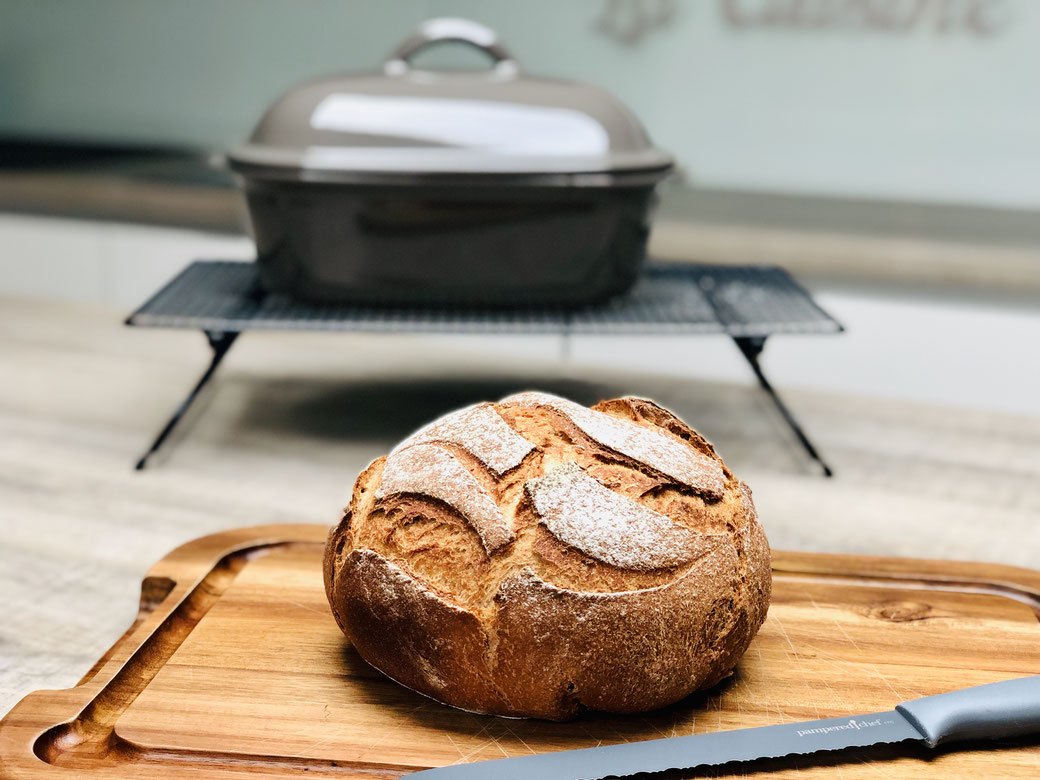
[(1002, 709)]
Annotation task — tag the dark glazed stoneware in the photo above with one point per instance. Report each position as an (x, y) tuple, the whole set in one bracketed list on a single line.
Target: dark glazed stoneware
[(499, 247), (449, 188)]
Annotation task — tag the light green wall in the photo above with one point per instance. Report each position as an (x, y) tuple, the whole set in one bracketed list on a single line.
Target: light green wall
[(925, 114), (201, 71)]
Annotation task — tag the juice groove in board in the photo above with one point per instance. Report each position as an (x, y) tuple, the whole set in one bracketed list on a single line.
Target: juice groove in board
[(235, 667)]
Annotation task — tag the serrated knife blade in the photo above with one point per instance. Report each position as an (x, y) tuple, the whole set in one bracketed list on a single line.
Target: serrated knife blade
[(1002, 709)]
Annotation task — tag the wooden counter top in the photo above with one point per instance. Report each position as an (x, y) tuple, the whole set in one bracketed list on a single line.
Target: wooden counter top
[(298, 415)]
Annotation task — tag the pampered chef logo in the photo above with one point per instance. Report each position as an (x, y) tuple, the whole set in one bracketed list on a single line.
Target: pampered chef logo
[(852, 724)]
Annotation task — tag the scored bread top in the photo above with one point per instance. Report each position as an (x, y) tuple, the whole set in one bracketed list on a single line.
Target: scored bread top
[(607, 500), (608, 526), (479, 430), (645, 445), (426, 469)]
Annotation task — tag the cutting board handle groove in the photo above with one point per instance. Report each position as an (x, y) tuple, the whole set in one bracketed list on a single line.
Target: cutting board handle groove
[(90, 739), (208, 712)]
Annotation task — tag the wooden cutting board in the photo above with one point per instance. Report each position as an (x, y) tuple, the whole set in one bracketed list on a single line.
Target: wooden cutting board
[(235, 667)]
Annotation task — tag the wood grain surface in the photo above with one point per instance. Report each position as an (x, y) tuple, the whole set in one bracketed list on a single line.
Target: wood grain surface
[(235, 667), (292, 418)]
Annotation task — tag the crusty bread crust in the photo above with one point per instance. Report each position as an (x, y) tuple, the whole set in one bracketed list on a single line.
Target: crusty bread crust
[(538, 627)]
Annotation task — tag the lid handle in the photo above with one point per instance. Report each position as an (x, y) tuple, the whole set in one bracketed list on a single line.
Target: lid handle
[(434, 31)]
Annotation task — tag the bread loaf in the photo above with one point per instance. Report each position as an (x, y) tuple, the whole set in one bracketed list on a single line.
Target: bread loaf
[(534, 557)]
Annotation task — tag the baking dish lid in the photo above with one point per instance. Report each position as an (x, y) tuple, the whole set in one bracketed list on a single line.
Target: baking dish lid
[(412, 125)]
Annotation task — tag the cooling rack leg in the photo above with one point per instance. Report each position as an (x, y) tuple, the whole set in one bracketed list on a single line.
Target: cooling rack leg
[(751, 348), (220, 342)]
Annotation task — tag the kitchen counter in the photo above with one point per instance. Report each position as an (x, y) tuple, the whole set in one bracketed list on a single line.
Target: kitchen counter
[(171, 187), (296, 416)]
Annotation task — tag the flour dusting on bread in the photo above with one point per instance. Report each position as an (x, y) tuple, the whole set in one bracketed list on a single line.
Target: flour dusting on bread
[(426, 469), (659, 451), (481, 431), (607, 526)]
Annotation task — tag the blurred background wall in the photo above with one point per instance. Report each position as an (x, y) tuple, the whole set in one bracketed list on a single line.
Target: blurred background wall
[(884, 151), (910, 100)]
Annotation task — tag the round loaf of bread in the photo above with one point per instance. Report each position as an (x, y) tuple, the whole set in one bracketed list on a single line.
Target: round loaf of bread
[(534, 557)]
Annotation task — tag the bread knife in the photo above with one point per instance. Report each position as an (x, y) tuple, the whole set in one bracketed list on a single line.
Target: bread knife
[(1002, 709)]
